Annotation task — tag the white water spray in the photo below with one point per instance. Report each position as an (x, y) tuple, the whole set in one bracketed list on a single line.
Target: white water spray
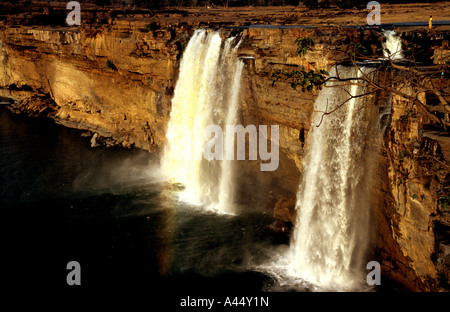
[(206, 93), (393, 44)]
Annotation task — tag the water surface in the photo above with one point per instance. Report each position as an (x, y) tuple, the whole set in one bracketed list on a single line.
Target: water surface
[(109, 209)]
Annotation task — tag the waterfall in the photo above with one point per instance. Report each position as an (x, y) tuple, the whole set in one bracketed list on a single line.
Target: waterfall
[(393, 44), (331, 231), (226, 190), (206, 93)]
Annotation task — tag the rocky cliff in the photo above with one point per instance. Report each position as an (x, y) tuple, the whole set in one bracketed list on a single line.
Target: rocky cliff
[(412, 218), (117, 79), (92, 74)]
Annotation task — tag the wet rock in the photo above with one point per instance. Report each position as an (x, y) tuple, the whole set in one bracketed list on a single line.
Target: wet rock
[(36, 106), (109, 142), (94, 140), (284, 209), (280, 227)]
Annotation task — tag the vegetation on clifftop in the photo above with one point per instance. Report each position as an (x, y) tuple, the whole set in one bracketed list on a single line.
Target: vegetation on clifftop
[(308, 80)]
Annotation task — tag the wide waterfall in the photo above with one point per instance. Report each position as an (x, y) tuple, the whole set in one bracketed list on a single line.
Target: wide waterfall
[(206, 93), (393, 45)]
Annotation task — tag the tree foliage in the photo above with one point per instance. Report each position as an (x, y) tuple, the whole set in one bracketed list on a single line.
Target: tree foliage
[(307, 80), (303, 45)]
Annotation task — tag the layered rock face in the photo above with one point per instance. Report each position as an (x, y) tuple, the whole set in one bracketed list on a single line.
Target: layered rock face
[(116, 83), (412, 224), (118, 80)]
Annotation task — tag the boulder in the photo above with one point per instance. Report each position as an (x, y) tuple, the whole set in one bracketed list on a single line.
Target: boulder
[(94, 140)]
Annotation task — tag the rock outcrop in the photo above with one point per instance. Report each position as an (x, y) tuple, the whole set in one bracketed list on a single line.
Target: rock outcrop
[(70, 67), (412, 224)]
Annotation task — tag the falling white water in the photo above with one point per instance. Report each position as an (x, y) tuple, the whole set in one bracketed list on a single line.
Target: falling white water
[(330, 236), (206, 93), (329, 241), (226, 187), (393, 44)]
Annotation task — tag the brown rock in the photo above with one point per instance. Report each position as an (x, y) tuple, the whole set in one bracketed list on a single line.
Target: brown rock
[(284, 209), (280, 227)]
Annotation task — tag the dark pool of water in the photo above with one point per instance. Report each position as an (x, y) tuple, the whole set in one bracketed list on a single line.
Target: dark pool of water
[(108, 209)]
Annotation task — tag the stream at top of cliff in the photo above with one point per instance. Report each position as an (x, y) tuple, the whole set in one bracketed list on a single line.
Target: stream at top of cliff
[(108, 209)]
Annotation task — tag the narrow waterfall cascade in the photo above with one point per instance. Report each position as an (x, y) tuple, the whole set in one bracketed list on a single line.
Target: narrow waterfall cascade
[(226, 186), (330, 239), (331, 232), (206, 93), (393, 44)]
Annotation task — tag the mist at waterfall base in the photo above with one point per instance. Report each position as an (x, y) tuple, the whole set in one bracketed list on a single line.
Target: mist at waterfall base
[(110, 210)]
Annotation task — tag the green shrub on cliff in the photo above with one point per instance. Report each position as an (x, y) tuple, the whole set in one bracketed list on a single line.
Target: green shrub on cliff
[(358, 49), (308, 80), (303, 45)]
